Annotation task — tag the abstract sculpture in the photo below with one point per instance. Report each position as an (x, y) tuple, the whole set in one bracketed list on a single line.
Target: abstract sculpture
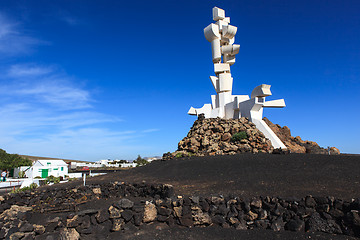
[(225, 105)]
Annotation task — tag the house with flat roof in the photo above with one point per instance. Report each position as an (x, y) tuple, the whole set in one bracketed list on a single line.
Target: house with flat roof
[(44, 168)]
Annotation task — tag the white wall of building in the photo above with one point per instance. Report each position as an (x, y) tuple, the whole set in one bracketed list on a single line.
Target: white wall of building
[(45, 168)]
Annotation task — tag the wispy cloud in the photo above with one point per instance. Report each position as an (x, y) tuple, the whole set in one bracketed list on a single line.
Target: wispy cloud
[(28, 70), (67, 17), (12, 40), (45, 111), (72, 21), (151, 130), (47, 85)]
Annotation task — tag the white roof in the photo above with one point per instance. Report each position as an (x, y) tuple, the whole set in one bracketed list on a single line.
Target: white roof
[(46, 162)]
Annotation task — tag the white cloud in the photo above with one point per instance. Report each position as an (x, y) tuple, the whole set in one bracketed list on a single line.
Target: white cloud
[(45, 84), (12, 40), (45, 112), (57, 92), (28, 70), (151, 130)]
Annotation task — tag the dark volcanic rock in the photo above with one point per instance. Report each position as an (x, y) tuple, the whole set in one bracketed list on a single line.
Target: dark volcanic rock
[(102, 215), (295, 225), (127, 215), (316, 223), (124, 203)]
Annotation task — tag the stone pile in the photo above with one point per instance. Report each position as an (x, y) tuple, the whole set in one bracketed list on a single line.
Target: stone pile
[(296, 144), (160, 206), (213, 136)]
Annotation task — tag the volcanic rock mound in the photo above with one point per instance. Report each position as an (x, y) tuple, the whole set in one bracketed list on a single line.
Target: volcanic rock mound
[(214, 136), (296, 144), (217, 136)]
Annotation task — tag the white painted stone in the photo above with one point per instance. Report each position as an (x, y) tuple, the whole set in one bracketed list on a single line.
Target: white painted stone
[(224, 104)]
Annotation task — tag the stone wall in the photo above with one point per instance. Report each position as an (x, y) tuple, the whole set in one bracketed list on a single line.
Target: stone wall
[(159, 205)]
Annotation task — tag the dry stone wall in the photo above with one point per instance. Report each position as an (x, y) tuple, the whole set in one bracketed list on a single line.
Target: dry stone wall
[(159, 205)]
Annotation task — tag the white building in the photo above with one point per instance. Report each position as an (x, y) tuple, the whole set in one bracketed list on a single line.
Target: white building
[(45, 168), (128, 165)]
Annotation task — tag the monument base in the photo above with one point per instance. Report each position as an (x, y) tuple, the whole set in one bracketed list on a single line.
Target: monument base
[(217, 136)]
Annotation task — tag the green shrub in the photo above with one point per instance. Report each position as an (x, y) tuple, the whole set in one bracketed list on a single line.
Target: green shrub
[(21, 174), (52, 179), (239, 136), (179, 155), (33, 186)]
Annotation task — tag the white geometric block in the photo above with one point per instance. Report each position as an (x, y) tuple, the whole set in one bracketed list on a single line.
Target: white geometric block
[(227, 19), (216, 50), (262, 90), (230, 49), (224, 98), (214, 102), (211, 32), (215, 82), (225, 82), (218, 14), (227, 41), (206, 109), (192, 111), (236, 49), (221, 67), (279, 103), (227, 49), (230, 59), (221, 24), (229, 31)]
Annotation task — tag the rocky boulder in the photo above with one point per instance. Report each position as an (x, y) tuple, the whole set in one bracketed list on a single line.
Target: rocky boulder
[(296, 144)]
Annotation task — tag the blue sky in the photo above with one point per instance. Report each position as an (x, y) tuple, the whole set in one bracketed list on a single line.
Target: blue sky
[(92, 80)]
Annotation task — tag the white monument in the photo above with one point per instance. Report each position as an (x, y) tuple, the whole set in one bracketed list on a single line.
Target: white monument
[(225, 105)]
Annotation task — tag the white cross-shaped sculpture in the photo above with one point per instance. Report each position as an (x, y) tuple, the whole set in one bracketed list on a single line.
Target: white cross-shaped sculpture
[(225, 105)]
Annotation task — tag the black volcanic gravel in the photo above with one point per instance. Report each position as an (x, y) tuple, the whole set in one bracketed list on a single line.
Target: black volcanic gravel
[(249, 175), (244, 175)]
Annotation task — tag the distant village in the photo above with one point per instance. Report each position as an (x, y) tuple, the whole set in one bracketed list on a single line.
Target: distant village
[(64, 170)]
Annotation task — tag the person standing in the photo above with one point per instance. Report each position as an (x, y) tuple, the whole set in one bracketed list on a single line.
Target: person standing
[(3, 175)]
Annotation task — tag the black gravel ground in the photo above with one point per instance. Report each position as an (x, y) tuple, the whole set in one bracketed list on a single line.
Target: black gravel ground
[(217, 233), (245, 175), (249, 175)]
